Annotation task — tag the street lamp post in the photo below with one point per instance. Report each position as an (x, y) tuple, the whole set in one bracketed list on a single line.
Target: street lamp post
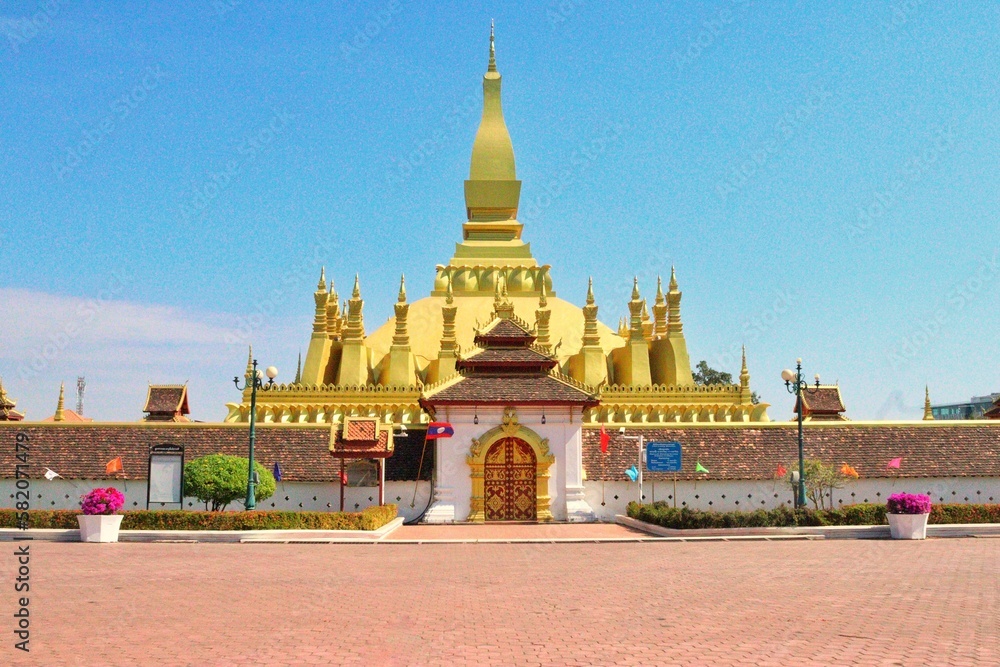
[(254, 380), (796, 385), (641, 439)]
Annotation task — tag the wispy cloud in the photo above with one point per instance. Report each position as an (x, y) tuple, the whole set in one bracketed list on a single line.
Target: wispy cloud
[(120, 345)]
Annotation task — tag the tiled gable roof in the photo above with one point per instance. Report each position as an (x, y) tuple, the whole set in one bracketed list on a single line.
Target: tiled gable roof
[(538, 389), (168, 398), (824, 402)]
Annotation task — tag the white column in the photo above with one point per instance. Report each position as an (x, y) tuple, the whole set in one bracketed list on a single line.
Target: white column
[(577, 507)]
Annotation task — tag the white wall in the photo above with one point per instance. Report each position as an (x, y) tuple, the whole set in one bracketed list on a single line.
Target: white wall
[(600, 496), (752, 495), (321, 497)]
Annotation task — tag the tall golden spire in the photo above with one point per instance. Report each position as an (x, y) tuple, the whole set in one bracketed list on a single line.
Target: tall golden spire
[(659, 311), (928, 412), (249, 360), (298, 369), (591, 337), (333, 320), (354, 363), (745, 394), (635, 308), (355, 329), (674, 325), (542, 317), (449, 344), (492, 235), (492, 67), (402, 335), (60, 406), (321, 297)]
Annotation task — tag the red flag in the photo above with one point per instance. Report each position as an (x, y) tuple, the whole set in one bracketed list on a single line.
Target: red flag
[(895, 463), (343, 477), (605, 439), (115, 465), (780, 471)]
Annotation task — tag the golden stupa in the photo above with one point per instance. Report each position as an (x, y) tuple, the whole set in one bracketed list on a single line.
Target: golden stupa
[(641, 373)]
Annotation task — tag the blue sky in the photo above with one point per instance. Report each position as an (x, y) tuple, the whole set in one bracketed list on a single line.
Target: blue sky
[(823, 175)]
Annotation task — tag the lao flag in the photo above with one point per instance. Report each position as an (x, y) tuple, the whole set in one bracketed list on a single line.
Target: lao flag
[(605, 439), (439, 430), (276, 470)]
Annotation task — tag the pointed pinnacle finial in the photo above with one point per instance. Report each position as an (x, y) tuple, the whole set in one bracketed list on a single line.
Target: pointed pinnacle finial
[(450, 294), (635, 288), (590, 291), (357, 287), (659, 289), (673, 279), (928, 412), (321, 285), (744, 369), (60, 406), (402, 289), (493, 56), (298, 370), (249, 358), (543, 300)]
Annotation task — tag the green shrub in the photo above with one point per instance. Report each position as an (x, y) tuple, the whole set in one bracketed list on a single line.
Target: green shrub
[(868, 514), (371, 518), (219, 479)]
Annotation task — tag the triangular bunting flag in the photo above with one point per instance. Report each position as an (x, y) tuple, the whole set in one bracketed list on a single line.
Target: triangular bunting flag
[(51, 474), (114, 466), (698, 467), (895, 463), (605, 439)]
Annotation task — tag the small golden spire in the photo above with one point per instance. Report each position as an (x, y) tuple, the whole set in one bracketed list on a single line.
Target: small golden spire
[(928, 413), (357, 287), (542, 298), (249, 362), (402, 289), (590, 291), (321, 286), (635, 288), (659, 290), (493, 55), (298, 370), (60, 406), (673, 280)]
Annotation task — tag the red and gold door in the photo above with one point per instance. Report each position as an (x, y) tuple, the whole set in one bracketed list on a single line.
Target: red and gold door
[(509, 480)]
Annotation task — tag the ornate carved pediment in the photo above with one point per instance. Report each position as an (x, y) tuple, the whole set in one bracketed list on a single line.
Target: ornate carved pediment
[(509, 425)]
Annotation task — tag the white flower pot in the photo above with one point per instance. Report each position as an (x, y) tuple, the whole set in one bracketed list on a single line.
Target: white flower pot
[(908, 526), (99, 527)]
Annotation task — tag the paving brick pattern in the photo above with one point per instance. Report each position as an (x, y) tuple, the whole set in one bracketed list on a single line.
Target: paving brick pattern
[(838, 602)]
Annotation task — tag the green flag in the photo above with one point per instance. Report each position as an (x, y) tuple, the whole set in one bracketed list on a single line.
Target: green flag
[(698, 467)]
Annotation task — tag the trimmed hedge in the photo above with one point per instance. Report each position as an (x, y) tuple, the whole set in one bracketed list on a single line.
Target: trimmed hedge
[(870, 514), (371, 518)]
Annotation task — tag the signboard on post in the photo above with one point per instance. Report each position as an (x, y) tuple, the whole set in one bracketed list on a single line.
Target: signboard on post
[(663, 456), (166, 475)]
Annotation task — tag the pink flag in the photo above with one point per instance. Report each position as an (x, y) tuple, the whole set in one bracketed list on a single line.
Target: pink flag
[(895, 462)]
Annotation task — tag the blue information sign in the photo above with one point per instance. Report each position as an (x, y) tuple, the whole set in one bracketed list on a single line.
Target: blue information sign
[(663, 456)]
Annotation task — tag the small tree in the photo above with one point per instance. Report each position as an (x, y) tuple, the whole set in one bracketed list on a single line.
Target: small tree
[(219, 479), (706, 375), (821, 480)]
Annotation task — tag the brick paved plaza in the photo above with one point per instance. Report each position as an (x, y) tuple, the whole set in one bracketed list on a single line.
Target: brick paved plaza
[(754, 603)]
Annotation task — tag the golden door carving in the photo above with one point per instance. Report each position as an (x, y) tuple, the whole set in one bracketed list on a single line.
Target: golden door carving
[(509, 480)]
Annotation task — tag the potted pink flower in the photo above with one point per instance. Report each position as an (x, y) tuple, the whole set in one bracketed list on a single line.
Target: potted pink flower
[(908, 513), (100, 520)]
